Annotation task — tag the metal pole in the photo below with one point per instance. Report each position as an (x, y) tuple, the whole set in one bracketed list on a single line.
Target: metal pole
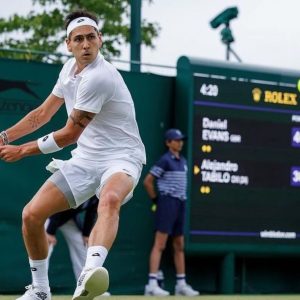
[(227, 273), (227, 52), (135, 35)]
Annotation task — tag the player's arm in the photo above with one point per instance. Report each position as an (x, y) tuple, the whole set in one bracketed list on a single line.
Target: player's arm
[(150, 187), (76, 123), (55, 141), (33, 120)]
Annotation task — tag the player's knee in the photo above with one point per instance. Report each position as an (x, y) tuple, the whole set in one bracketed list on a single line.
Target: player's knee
[(30, 217), (110, 201), (160, 247), (178, 247)]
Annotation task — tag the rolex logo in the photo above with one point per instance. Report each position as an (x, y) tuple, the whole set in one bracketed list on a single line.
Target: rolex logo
[(256, 93)]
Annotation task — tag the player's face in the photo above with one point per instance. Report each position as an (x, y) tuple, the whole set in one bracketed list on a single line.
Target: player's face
[(175, 145), (84, 42)]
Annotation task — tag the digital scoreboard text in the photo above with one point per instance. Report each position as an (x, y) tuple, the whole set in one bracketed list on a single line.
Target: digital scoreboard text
[(245, 161)]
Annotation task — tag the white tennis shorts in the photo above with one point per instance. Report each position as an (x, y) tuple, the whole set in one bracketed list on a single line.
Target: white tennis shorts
[(86, 178)]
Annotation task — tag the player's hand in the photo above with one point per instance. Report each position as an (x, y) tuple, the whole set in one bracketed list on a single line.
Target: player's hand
[(51, 239), (10, 153)]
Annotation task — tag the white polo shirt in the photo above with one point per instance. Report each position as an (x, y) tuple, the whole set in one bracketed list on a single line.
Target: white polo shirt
[(99, 88)]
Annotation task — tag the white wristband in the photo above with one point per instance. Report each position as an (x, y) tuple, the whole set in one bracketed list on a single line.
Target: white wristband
[(47, 144)]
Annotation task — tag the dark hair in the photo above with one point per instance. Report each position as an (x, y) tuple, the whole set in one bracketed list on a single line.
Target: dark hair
[(77, 14)]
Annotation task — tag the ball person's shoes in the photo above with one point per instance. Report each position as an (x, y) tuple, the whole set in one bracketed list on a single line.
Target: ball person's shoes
[(185, 290), (91, 283), (35, 293), (155, 290)]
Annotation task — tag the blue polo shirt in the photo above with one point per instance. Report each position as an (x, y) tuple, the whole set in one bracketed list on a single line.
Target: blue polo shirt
[(171, 175)]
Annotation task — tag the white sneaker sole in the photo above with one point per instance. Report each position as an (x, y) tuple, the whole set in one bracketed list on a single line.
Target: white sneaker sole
[(157, 295), (94, 285), (187, 295)]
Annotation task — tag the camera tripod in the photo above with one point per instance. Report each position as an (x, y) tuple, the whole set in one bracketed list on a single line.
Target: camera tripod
[(227, 39)]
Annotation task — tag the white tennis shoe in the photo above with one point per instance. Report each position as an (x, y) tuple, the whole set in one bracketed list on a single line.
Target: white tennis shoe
[(106, 294), (91, 283), (185, 290), (155, 290), (35, 293)]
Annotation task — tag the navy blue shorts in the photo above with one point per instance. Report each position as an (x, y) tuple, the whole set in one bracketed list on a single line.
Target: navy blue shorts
[(170, 215)]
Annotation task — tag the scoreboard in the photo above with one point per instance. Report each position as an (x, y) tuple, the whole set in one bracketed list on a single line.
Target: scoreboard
[(243, 149)]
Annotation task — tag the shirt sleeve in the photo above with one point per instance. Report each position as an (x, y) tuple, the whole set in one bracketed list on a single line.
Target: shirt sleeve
[(159, 168), (58, 88), (93, 92)]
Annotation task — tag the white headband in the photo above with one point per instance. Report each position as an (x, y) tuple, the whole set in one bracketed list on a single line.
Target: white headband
[(80, 22)]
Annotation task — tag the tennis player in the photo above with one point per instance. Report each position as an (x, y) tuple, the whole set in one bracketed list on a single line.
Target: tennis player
[(107, 161)]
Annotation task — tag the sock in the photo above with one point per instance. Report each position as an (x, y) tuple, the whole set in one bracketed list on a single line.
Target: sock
[(160, 279), (180, 279), (152, 279), (95, 257), (39, 272)]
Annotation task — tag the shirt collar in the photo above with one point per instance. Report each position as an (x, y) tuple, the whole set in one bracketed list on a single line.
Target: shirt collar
[(98, 58), (173, 156)]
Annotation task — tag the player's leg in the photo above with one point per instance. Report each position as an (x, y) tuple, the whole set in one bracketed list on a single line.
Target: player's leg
[(178, 237), (165, 217), (47, 201), (181, 288), (179, 260), (118, 179), (94, 280), (159, 245), (116, 188), (77, 247)]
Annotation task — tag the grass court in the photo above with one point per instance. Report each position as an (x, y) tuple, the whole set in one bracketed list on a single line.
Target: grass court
[(204, 297)]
